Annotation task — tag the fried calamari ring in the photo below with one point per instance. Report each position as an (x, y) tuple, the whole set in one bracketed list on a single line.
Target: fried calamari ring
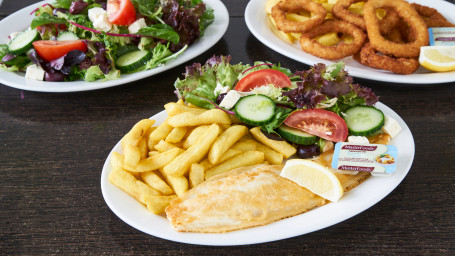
[(431, 16), (295, 6), (396, 35), (409, 15), (337, 51), (389, 21), (340, 10), (370, 57)]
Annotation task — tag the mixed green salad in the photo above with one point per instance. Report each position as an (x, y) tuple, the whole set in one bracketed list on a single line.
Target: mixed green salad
[(307, 108), (98, 39)]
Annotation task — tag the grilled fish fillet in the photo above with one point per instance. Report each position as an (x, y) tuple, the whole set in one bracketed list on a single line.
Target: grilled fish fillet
[(250, 196), (242, 198)]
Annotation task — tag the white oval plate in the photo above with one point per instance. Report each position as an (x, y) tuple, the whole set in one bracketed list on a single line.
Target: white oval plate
[(259, 24), (21, 20), (353, 202)]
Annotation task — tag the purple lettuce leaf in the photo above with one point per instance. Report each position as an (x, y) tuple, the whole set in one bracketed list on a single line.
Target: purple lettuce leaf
[(64, 63), (96, 55), (185, 21), (8, 57), (317, 85), (77, 7)]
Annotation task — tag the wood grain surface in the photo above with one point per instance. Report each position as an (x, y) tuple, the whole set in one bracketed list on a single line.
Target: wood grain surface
[(53, 147)]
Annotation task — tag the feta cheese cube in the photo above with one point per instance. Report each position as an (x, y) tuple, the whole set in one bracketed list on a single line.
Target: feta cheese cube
[(34, 72), (134, 27), (221, 89), (96, 12), (358, 139), (98, 16), (391, 126), (230, 99)]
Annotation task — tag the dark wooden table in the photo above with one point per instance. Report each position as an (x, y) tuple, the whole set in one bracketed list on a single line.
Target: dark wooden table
[(53, 146)]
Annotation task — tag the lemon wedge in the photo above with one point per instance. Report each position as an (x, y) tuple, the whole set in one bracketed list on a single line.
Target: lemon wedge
[(438, 58), (314, 177)]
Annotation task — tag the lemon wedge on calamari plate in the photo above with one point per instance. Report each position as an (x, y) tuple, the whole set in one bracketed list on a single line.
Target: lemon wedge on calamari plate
[(438, 58)]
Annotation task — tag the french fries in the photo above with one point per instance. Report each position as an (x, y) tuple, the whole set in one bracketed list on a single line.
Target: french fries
[(160, 163), (270, 155), (127, 182), (161, 132), (173, 109), (178, 183), (194, 135), (163, 146), (245, 159), (245, 145), (117, 161), (176, 134), (154, 181), (136, 133), (225, 141), (132, 156), (196, 175), (157, 161), (157, 204), (181, 164), (208, 117), (281, 146)]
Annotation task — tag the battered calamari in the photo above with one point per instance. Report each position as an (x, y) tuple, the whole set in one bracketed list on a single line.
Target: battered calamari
[(280, 10), (334, 52)]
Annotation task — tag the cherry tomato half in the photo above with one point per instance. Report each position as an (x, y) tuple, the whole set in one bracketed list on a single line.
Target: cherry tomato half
[(263, 77), (121, 12), (319, 122), (51, 49)]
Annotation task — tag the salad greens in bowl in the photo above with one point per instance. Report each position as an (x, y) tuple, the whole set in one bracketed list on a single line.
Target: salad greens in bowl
[(98, 40)]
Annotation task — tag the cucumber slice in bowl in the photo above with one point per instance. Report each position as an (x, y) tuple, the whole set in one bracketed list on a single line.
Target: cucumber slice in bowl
[(364, 120), (23, 42), (133, 60), (296, 136), (255, 109), (67, 36)]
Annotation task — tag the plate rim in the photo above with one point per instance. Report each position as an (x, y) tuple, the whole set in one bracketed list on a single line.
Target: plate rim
[(213, 33), (230, 238), (256, 22)]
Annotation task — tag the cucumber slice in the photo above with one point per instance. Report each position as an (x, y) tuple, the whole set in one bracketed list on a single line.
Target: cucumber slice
[(133, 60), (296, 136), (255, 109), (67, 36), (23, 42), (364, 120)]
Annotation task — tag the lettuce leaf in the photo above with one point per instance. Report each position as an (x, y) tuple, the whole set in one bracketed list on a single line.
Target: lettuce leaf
[(46, 18), (148, 8), (278, 119), (6, 68), (201, 80), (63, 3), (93, 73), (321, 83), (161, 31)]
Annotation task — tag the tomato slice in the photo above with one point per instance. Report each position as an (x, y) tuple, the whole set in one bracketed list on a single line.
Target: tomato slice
[(319, 122), (121, 12), (262, 77), (51, 49)]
